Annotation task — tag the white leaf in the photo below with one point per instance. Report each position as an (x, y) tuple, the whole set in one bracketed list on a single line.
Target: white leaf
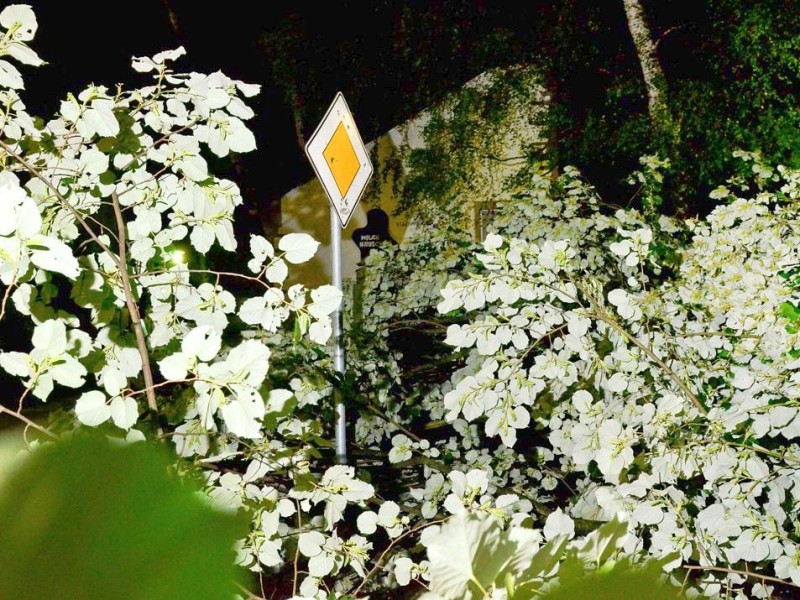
[(492, 242), (367, 522), (240, 138), (43, 386), (467, 548), (70, 110), (320, 331), (558, 524), (321, 565), (202, 237), (10, 77), (169, 55), (299, 247), (261, 250), (203, 342), (68, 371), (618, 297), (217, 98), (124, 412), (101, 119), (113, 380), (577, 325), (91, 409), (269, 553), (24, 55), (647, 514), (130, 361), (16, 363), (310, 543), (134, 435), (254, 310), (325, 300), (251, 357), (50, 337), (277, 399), (402, 570), (18, 212), (239, 109), (742, 378), (23, 15), (193, 166), (248, 90), (243, 413), (53, 255), (142, 64), (617, 383), (175, 367), (622, 248), (94, 161), (277, 271), (224, 232)]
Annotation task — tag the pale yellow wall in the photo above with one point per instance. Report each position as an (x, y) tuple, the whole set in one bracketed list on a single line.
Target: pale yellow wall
[(306, 209)]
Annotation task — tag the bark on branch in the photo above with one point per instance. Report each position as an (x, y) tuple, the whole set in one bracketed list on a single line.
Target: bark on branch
[(133, 308), (653, 74)]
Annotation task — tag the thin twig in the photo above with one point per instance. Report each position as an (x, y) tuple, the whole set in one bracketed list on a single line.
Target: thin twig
[(162, 384), (250, 595), (78, 216), (667, 32), (202, 271), (410, 324), (133, 309), (163, 138), (394, 542), (717, 334), (748, 574), (672, 374), (25, 394), (6, 296), (297, 548), (27, 421), (378, 412)]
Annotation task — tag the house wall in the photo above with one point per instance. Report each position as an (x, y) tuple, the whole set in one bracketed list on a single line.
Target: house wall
[(305, 208)]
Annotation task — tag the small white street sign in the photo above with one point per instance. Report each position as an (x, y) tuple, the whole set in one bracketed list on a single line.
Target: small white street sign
[(340, 159)]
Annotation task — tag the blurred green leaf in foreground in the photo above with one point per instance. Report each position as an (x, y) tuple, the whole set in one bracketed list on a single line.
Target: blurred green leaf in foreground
[(86, 518)]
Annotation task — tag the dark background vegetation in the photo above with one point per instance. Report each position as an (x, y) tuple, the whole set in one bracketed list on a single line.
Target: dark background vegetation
[(731, 69)]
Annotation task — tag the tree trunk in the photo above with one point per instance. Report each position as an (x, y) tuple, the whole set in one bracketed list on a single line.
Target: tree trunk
[(172, 16), (654, 80)]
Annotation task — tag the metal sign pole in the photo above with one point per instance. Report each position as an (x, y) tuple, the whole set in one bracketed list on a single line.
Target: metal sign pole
[(342, 165), (338, 350)]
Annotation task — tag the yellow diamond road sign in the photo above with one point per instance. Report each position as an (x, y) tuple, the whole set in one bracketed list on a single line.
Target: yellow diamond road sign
[(340, 159)]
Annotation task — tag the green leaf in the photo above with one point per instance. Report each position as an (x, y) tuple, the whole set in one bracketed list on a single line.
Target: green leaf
[(624, 581), (545, 560), (89, 518), (108, 177), (304, 482), (599, 545), (298, 333), (127, 142), (106, 144), (789, 311)]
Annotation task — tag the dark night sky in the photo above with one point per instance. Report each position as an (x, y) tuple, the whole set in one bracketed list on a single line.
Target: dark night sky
[(86, 44), (391, 58), (89, 42)]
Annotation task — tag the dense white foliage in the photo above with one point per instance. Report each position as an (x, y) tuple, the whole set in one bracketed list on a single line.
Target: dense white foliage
[(584, 363)]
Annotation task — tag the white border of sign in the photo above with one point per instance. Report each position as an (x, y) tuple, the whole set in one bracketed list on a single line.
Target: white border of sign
[(338, 112)]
